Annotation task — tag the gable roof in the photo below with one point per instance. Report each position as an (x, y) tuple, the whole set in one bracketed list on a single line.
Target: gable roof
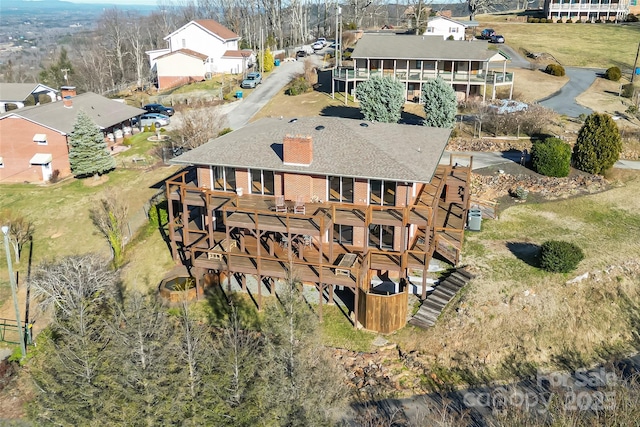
[(212, 27), (466, 24), (388, 46), (21, 91), (184, 51), (103, 111), (387, 151)]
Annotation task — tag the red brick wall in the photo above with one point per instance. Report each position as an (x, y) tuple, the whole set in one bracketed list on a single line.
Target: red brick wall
[(297, 150), (166, 82), (319, 188), (17, 148), (361, 191), (242, 180), (204, 177), (297, 185)]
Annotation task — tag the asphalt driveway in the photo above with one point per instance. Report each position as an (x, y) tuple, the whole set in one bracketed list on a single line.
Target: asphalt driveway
[(240, 112), (564, 101)]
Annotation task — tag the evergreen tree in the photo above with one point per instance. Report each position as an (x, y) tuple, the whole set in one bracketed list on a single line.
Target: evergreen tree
[(598, 145), (88, 153), (381, 99), (440, 104), (268, 60), (54, 75)]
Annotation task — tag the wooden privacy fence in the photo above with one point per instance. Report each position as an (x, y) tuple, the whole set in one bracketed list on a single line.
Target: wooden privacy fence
[(382, 313)]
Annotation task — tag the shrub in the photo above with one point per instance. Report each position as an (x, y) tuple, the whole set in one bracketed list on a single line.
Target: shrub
[(153, 128), (560, 257), (569, 21), (628, 90), (551, 157), (145, 129), (555, 70), (126, 142), (225, 131), (598, 145), (598, 21), (632, 18), (381, 99), (298, 86), (559, 21), (613, 73), (579, 21), (55, 176)]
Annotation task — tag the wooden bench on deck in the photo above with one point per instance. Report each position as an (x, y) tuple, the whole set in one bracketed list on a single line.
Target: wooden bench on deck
[(222, 246), (348, 260)]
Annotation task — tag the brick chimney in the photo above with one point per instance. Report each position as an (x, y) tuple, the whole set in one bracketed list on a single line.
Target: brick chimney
[(297, 150), (67, 92)]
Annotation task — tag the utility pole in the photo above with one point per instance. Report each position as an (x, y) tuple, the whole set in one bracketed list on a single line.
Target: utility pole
[(635, 64), (339, 35), (12, 281), (261, 52)]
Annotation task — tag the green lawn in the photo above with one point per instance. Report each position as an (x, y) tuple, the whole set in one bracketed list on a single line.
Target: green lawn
[(576, 45)]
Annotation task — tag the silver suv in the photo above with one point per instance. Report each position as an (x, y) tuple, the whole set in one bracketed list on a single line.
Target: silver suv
[(252, 80)]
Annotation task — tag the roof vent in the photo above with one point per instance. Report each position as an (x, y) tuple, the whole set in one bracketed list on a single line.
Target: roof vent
[(293, 120), (319, 127), (364, 125)]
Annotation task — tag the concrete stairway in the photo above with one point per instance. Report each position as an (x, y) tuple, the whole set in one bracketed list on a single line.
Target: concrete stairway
[(437, 300)]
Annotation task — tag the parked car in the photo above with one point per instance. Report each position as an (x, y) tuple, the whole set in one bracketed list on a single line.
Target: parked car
[(496, 38), (301, 54), (317, 46), (149, 119), (252, 80), (487, 33), (159, 108), (322, 40)]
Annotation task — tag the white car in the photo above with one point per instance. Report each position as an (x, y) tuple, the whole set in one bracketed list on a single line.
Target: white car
[(152, 118), (317, 45)]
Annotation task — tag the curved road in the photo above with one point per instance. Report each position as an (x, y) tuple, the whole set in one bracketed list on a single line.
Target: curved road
[(564, 101)]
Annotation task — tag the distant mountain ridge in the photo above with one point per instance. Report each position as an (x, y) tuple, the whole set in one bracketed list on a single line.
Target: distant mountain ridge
[(8, 6)]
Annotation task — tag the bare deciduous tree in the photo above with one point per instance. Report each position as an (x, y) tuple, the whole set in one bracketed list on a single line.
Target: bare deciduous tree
[(110, 218), (21, 231), (198, 127)]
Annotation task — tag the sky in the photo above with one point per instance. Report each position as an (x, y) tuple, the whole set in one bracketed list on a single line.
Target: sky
[(141, 2)]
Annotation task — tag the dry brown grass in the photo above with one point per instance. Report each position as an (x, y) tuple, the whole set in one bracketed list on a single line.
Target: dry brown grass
[(534, 85), (514, 311)]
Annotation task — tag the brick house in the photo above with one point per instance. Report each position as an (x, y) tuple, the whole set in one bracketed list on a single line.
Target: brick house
[(34, 140), (337, 202)]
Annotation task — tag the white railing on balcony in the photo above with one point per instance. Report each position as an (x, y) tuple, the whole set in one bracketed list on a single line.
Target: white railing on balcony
[(417, 76)]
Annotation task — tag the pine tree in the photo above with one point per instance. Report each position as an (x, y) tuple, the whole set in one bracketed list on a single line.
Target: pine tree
[(440, 104), (54, 75), (598, 145), (88, 153), (381, 99)]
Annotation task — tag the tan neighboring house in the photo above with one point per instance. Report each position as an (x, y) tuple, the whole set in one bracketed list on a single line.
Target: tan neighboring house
[(587, 10), (470, 67), (14, 95), (196, 51), (34, 140)]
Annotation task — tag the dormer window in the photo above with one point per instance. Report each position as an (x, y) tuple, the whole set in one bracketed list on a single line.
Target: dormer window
[(40, 138)]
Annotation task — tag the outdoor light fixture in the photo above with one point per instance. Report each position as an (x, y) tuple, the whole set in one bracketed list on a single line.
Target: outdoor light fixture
[(12, 281)]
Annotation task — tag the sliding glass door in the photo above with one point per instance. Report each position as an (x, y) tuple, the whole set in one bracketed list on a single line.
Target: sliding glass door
[(262, 182), (381, 236), (382, 193), (341, 189)]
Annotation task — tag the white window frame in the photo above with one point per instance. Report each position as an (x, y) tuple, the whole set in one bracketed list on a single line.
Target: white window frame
[(40, 141), (262, 171), (341, 191)]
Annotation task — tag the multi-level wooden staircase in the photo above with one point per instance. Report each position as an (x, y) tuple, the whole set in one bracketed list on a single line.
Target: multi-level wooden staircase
[(438, 299)]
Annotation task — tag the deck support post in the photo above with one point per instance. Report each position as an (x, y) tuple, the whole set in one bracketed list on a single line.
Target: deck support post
[(244, 282), (331, 290), (259, 293), (355, 306), (321, 289)]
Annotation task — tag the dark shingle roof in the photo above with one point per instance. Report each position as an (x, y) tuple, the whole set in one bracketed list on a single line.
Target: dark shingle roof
[(389, 46), (20, 91), (387, 151), (103, 111)]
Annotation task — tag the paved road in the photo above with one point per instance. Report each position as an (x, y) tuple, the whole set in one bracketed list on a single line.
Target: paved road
[(564, 101), (240, 112)]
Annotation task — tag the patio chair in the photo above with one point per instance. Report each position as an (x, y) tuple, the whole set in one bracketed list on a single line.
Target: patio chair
[(299, 206), (280, 205)]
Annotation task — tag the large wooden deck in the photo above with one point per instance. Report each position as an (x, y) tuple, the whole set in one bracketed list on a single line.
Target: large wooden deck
[(283, 244)]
